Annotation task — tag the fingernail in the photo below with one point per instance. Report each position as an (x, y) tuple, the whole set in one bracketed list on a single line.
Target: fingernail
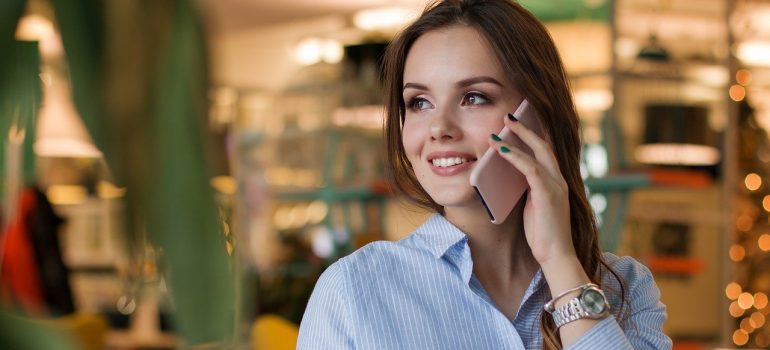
[(512, 118), (496, 138), (505, 149)]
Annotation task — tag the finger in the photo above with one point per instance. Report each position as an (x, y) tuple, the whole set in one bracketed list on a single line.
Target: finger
[(531, 169), (541, 149)]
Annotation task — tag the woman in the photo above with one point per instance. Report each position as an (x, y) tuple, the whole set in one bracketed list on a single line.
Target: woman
[(459, 281)]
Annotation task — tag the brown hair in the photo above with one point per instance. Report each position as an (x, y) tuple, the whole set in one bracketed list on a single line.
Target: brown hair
[(527, 54)]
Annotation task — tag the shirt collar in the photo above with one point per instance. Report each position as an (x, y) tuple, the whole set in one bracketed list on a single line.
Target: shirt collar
[(440, 235)]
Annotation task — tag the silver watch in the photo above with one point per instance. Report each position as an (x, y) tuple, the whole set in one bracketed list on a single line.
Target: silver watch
[(591, 304)]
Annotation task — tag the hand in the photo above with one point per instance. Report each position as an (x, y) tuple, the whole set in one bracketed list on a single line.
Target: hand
[(546, 212)]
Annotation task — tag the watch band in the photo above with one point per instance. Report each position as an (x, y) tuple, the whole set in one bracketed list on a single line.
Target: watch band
[(576, 309), (571, 311), (551, 305)]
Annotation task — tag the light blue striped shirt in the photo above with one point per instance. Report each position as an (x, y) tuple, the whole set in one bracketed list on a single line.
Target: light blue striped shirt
[(420, 293)]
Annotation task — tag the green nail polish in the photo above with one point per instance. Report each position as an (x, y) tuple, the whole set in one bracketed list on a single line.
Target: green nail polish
[(496, 138), (505, 149)]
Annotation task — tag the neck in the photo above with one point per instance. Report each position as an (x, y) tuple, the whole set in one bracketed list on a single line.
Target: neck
[(500, 253)]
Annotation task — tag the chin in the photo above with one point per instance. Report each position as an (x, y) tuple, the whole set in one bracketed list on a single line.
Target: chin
[(454, 198)]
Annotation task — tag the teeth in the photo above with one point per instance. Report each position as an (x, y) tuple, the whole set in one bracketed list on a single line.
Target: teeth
[(447, 162)]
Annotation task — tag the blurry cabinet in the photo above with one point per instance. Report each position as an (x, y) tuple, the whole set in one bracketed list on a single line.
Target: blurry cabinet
[(677, 234), (93, 250)]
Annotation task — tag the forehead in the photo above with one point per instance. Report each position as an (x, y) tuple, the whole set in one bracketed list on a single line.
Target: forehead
[(451, 54)]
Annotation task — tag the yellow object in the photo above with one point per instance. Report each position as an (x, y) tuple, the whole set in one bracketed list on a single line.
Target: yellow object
[(86, 330), (271, 332)]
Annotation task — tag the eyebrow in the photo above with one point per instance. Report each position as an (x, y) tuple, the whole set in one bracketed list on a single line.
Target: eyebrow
[(476, 80), (461, 83)]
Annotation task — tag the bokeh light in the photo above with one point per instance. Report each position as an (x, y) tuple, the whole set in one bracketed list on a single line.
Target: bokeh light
[(764, 242), (744, 223), (760, 300), (745, 300), (735, 310), (740, 337), (762, 340), (746, 325), (743, 77), (737, 93), (753, 181), (737, 253)]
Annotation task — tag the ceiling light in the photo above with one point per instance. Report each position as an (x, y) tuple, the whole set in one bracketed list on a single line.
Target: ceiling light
[(34, 28), (677, 154), (384, 18), (710, 75), (308, 51), (314, 50), (60, 131), (754, 53), (593, 99)]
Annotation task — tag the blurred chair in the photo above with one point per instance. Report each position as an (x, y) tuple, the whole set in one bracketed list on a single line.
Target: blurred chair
[(271, 332)]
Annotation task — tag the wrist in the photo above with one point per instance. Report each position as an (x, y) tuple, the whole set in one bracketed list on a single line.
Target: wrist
[(559, 262), (564, 273)]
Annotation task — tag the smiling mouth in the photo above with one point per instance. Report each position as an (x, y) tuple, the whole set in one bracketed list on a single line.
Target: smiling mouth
[(446, 162)]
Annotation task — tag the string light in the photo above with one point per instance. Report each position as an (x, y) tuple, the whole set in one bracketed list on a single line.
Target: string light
[(746, 325), (737, 253), (735, 310), (733, 290), (753, 182), (744, 223), (750, 310), (760, 300), (737, 93), (766, 203), (764, 242), (757, 319), (743, 77), (762, 340), (745, 300), (740, 337)]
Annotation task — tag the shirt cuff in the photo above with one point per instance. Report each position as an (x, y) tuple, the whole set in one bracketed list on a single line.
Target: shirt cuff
[(606, 334)]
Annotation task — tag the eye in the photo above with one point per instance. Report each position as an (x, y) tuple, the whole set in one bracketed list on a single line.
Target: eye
[(418, 104), (474, 98)]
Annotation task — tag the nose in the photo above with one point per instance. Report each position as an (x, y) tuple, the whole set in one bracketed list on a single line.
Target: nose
[(444, 128)]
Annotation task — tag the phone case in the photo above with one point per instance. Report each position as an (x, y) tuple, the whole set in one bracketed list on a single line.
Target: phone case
[(497, 182)]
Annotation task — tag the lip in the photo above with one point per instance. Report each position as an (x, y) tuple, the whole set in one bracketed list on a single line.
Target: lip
[(451, 170)]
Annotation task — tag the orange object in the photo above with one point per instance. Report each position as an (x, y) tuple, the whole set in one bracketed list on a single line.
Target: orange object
[(685, 345), (680, 178), (88, 331), (677, 265), (271, 332)]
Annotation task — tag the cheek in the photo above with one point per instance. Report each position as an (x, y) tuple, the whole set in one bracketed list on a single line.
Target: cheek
[(411, 138), (483, 131)]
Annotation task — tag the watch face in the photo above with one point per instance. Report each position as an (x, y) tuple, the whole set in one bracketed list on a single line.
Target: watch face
[(593, 301)]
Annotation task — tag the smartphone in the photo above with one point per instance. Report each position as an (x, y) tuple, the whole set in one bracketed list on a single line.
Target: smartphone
[(497, 182)]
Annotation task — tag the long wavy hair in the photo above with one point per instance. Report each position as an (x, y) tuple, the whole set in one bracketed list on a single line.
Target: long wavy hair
[(529, 57)]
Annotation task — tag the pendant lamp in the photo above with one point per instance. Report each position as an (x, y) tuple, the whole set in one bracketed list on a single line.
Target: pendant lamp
[(60, 131)]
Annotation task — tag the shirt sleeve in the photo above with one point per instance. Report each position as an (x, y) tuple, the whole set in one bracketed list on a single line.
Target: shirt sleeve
[(326, 322), (643, 329)]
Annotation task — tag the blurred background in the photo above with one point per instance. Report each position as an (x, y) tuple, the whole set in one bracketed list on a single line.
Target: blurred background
[(177, 174)]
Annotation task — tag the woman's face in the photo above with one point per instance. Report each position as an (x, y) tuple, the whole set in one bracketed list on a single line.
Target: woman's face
[(456, 95)]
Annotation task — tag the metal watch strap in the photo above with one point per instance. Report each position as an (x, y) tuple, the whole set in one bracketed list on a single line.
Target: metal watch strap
[(571, 311)]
